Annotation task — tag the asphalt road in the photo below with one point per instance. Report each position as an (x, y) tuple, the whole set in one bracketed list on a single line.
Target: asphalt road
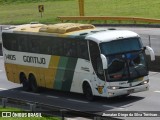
[(143, 101)]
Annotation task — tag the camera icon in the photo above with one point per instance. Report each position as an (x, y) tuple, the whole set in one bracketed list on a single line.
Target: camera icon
[(6, 114)]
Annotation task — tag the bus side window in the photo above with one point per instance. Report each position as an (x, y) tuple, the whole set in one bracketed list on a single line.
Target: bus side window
[(23, 43), (44, 45), (34, 44), (14, 43), (7, 37), (59, 47), (70, 48), (67, 48), (83, 50), (96, 60), (55, 46)]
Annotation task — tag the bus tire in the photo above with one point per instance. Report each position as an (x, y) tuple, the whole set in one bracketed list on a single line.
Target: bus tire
[(25, 82), (33, 84), (87, 91)]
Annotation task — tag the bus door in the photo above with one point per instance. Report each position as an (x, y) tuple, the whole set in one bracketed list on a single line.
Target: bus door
[(98, 79)]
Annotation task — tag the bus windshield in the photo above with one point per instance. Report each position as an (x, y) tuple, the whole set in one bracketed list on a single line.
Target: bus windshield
[(126, 59)]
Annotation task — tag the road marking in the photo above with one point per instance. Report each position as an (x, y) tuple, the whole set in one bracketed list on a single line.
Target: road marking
[(153, 73), (3, 89), (1, 70), (52, 96), (157, 91), (30, 93), (108, 106), (1, 56), (77, 101)]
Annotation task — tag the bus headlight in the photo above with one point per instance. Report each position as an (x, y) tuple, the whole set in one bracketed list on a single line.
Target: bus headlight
[(145, 82), (113, 87)]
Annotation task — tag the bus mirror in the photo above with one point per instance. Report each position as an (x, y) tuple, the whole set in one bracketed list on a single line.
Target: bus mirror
[(104, 61), (151, 52)]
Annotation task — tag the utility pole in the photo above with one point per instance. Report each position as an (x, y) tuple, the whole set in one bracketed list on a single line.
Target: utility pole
[(81, 7)]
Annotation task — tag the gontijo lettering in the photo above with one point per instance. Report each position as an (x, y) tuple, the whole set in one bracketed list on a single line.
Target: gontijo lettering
[(32, 59)]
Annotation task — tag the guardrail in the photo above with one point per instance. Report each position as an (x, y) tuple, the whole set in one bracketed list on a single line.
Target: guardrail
[(50, 110), (107, 18)]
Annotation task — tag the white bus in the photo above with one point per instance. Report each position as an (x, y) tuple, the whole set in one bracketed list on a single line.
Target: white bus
[(76, 58)]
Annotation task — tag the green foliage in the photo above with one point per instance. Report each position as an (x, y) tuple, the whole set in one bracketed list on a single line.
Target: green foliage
[(26, 11), (25, 1), (9, 109)]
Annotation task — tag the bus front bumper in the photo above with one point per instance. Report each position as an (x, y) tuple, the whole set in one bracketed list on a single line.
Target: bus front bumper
[(127, 91)]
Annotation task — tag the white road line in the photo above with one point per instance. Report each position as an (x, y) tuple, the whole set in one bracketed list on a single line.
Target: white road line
[(1, 56), (1, 70), (77, 101), (30, 93), (52, 96), (3, 89), (151, 72), (109, 106), (157, 91)]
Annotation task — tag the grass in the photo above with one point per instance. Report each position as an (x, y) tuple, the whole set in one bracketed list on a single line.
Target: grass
[(25, 11), (24, 118), (9, 109)]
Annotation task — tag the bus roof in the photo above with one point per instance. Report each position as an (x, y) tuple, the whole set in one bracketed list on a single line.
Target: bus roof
[(111, 35), (87, 31), (61, 28)]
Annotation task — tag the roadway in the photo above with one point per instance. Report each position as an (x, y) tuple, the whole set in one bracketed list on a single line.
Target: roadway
[(143, 101)]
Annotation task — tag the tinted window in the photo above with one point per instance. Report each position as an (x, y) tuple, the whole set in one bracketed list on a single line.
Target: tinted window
[(22, 43), (119, 46), (96, 60), (69, 47), (83, 49)]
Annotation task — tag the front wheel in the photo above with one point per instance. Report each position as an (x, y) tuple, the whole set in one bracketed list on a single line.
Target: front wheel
[(88, 92)]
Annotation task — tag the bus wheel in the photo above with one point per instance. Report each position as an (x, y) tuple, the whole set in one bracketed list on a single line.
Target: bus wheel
[(88, 92), (33, 84), (25, 83)]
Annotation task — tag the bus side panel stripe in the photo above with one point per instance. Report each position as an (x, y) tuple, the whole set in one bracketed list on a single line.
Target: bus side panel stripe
[(51, 72), (68, 76), (60, 72)]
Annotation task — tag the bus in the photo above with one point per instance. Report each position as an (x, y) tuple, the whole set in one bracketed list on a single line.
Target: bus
[(77, 58)]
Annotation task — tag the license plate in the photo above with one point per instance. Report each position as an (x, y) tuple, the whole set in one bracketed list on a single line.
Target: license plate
[(130, 91)]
